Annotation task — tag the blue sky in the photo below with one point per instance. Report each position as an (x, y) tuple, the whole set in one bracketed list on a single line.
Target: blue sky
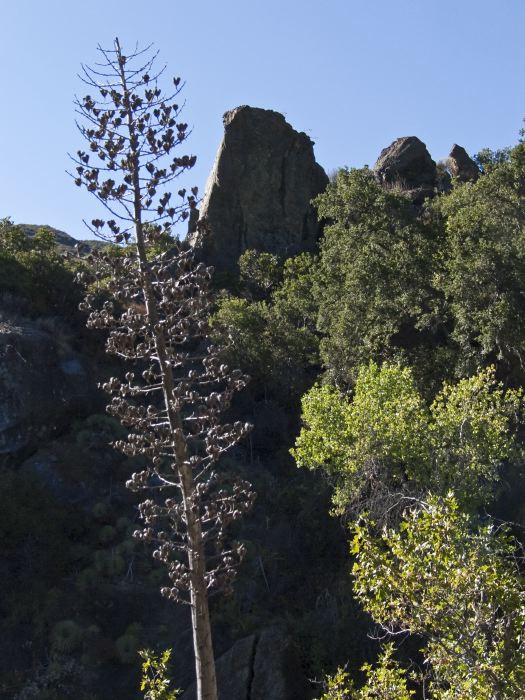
[(353, 74)]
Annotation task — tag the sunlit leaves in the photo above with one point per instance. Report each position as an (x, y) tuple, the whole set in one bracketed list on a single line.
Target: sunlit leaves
[(387, 436), (455, 584)]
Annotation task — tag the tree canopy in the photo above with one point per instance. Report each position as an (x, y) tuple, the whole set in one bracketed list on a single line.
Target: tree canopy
[(386, 440), (456, 584)]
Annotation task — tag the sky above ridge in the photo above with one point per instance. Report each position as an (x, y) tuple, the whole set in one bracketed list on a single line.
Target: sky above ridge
[(353, 74)]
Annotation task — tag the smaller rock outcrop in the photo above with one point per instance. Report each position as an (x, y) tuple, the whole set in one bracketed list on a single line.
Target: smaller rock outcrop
[(259, 191), (407, 165), (461, 165)]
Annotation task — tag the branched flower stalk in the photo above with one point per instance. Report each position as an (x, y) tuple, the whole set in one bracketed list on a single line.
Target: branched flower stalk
[(157, 317)]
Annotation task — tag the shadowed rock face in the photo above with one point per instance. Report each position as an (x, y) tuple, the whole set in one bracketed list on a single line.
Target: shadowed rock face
[(259, 190), (259, 667), (461, 165), (42, 387), (407, 165)]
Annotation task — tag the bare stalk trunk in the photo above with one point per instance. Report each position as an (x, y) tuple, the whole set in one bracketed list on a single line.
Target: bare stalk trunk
[(200, 615)]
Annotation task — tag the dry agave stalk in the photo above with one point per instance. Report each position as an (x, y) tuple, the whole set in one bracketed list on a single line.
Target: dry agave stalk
[(202, 387), (157, 317)]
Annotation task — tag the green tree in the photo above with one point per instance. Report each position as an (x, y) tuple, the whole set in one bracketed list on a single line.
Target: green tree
[(260, 272), (272, 350), (155, 682), (387, 680), (294, 300), (484, 265), (387, 442), (33, 269), (456, 585), (373, 283), (487, 159), (269, 330)]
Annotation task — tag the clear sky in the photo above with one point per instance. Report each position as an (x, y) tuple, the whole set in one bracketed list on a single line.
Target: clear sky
[(353, 74)]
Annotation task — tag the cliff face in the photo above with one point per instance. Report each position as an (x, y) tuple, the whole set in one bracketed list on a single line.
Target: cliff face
[(259, 191), (43, 385)]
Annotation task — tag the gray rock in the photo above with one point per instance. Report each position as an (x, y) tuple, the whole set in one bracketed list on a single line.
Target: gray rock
[(192, 221), (276, 670), (259, 667), (259, 191), (407, 165), (461, 165), (42, 386), (43, 465)]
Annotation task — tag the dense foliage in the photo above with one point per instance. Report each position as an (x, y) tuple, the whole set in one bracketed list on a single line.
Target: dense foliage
[(387, 441), (386, 680), (266, 330), (457, 585), (484, 266), (34, 270), (445, 301), (373, 282)]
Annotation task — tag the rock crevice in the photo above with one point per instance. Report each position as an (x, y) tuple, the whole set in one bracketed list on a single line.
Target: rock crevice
[(259, 667)]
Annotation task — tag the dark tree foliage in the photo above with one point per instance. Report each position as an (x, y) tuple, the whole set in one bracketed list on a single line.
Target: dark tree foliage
[(484, 266), (373, 283)]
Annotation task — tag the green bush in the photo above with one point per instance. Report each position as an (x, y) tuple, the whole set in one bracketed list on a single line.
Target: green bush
[(456, 585), (33, 269), (387, 442), (127, 647)]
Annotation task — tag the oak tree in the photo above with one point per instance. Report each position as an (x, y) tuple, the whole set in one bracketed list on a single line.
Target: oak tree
[(456, 584)]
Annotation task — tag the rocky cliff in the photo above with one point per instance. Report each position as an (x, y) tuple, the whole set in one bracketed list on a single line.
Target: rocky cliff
[(43, 384), (265, 175), (406, 165), (259, 191)]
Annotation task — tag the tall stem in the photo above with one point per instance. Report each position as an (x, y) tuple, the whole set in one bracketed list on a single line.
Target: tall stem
[(200, 615)]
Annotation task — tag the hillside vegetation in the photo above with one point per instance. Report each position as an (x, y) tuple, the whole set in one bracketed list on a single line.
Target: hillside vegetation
[(387, 373)]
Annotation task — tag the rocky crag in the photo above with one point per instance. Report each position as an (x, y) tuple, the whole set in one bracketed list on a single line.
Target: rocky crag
[(259, 191), (258, 195), (406, 165), (461, 165)]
